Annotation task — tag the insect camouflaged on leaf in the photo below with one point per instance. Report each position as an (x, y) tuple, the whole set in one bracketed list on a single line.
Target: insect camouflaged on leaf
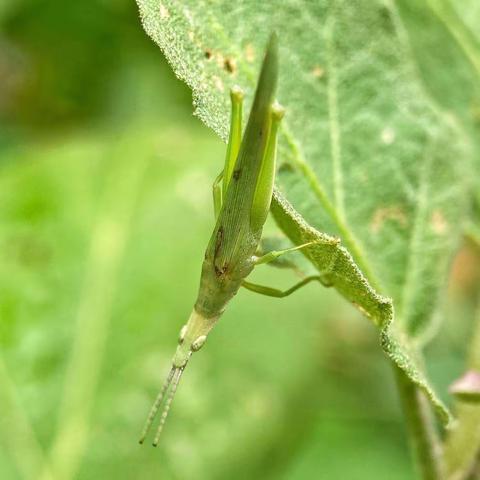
[(242, 195)]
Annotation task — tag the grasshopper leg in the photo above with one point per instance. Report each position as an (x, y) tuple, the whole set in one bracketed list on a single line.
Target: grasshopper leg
[(274, 254), (266, 176), (235, 135), (274, 292), (234, 140)]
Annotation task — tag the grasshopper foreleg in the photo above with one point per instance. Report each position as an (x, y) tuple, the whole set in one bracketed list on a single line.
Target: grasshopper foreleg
[(274, 254)]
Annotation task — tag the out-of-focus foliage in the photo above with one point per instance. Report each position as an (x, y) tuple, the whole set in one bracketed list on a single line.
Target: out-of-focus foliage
[(451, 74), (105, 212)]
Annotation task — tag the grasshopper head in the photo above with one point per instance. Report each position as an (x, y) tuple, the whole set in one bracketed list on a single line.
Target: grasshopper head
[(192, 338)]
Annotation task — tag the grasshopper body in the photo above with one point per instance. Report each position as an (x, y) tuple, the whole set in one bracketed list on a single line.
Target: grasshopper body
[(230, 253), (241, 203)]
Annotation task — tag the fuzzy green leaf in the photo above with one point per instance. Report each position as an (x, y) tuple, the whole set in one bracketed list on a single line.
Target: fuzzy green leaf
[(338, 269), (452, 75), (453, 79), (366, 155)]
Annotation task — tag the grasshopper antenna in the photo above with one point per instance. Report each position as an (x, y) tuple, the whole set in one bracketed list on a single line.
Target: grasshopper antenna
[(157, 403), (175, 381), (167, 393)]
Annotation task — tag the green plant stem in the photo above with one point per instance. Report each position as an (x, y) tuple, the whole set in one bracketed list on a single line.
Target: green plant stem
[(462, 446), (421, 429), (107, 246)]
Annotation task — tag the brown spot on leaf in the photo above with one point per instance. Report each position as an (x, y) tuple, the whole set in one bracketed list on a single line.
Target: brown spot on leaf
[(465, 276), (318, 71), (250, 53), (229, 65), (208, 54), (393, 213)]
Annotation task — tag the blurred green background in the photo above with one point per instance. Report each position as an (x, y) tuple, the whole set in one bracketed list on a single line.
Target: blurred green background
[(105, 212)]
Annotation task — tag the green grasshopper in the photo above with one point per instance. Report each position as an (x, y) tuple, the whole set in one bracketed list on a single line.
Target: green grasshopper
[(242, 195)]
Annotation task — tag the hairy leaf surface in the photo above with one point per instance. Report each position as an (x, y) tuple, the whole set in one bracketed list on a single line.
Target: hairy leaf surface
[(365, 157), (451, 74)]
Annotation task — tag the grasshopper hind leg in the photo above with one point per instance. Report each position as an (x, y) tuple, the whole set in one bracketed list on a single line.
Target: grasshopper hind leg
[(234, 140), (274, 292), (235, 135)]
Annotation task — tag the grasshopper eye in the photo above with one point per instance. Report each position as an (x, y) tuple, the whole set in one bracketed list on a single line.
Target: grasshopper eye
[(181, 336), (198, 343)]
